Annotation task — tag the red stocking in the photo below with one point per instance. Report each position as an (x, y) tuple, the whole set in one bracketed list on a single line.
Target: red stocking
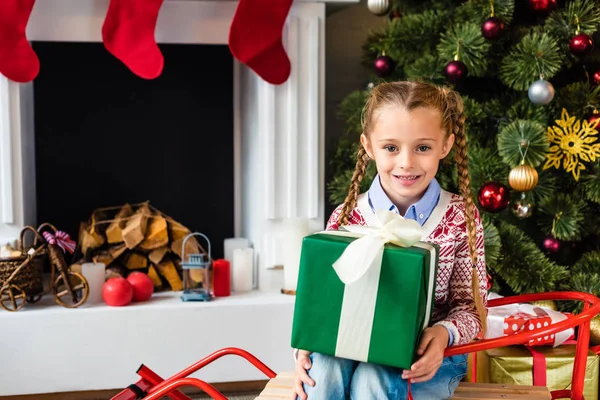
[(128, 34), (18, 61), (255, 38)]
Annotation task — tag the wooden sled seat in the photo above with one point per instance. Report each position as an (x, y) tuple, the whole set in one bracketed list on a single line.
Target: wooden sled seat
[(280, 388)]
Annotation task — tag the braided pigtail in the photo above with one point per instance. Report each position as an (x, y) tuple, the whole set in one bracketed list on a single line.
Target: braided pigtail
[(354, 189), (464, 183)]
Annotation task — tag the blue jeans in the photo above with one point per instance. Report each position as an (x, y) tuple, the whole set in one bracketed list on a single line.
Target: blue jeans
[(340, 379)]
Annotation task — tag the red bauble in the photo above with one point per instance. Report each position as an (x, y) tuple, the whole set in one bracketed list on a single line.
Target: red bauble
[(542, 6), (551, 244), (581, 44), (117, 292), (455, 71), (593, 118), (493, 197), (143, 287), (596, 77), (492, 28), (384, 66)]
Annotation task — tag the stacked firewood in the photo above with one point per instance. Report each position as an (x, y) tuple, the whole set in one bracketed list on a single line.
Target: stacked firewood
[(137, 238)]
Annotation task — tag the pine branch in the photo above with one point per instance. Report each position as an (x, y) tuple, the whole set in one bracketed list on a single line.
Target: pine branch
[(427, 68), (349, 111), (473, 111), (472, 48), (526, 110), (589, 263), (485, 165), (562, 23), (590, 184), (492, 243), (338, 187), (579, 98), (536, 54), (480, 10), (562, 215), (581, 282), (546, 188), (524, 268), (523, 137)]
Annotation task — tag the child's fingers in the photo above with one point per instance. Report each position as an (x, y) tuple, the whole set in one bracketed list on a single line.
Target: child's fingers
[(425, 340), (304, 360), (424, 378)]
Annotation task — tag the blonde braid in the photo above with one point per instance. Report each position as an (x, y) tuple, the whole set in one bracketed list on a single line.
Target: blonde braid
[(464, 184), (354, 189)]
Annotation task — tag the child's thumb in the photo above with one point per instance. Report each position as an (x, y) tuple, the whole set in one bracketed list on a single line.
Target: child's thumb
[(305, 361)]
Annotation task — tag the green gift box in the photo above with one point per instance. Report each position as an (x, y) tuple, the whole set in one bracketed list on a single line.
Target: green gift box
[(377, 318)]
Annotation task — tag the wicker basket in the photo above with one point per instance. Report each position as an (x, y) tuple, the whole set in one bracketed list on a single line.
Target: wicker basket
[(29, 278)]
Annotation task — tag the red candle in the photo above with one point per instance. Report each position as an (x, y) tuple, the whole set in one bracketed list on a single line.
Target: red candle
[(221, 278)]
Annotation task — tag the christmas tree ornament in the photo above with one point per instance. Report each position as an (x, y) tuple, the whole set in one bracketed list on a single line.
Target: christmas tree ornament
[(542, 6), (522, 208), (379, 7), (523, 178), (18, 61), (581, 44), (371, 85), (595, 330), (455, 71), (128, 34), (541, 92), (572, 141), (596, 77), (493, 197), (593, 118), (395, 14), (551, 244), (550, 304), (492, 28), (384, 65)]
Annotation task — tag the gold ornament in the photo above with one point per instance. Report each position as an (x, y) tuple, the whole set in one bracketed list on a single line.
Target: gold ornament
[(545, 304), (572, 141), (595, 330), (523, 178)]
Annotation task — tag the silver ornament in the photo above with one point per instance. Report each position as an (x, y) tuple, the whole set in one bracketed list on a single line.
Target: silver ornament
[(379, 7), (541, 92), (522, 209)]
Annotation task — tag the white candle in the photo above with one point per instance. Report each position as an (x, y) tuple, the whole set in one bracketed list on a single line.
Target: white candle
[(294, 231), (242, 266), (230, 244), (94, 274)]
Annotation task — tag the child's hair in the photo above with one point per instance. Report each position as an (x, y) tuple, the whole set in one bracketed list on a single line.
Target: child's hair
[(412, 95)]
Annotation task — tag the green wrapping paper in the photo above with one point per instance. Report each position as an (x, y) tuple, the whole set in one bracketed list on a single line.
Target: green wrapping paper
[(378, 318)]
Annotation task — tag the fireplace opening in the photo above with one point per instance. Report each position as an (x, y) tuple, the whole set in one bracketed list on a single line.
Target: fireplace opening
[(105, 137)]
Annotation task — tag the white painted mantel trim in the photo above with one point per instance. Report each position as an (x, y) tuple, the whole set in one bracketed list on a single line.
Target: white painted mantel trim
[(279, 174)]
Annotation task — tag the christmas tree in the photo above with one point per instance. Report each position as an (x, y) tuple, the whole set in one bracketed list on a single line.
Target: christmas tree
[(530, 79)]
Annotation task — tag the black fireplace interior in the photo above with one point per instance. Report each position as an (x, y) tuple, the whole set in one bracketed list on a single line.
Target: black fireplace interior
[(105, 137)]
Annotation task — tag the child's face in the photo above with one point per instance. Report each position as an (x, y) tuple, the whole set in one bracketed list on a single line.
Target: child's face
[(407, 147)]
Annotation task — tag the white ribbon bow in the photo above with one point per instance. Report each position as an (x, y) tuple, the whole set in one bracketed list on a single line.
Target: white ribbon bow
[(367, 250)]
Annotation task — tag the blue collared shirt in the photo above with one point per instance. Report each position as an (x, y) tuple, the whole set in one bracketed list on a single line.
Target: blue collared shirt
[(419, 211)]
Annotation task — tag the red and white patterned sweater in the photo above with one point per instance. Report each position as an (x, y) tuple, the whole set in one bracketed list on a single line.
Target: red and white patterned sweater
[(454, 305)]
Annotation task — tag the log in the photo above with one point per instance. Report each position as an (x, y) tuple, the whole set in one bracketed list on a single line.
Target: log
[(136, 260), (114, 232), (115, 271), (88, 240), (157, 234), (157, 255), (167, 269), (135, 230), (153, 275)]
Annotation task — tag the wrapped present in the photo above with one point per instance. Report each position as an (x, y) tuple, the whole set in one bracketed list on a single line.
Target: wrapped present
[(515, 318), (366, 293), (538, 366)]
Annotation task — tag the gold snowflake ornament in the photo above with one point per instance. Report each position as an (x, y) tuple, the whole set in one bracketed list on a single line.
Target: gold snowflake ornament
[(571, 142)]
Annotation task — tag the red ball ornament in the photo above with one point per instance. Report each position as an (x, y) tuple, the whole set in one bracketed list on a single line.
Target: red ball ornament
[(493, 197), (455, 71), (596, 77), (542, 6), (581, 44), (492, 28), (143, 287), (117, 292), (384, 65), (551, 244)]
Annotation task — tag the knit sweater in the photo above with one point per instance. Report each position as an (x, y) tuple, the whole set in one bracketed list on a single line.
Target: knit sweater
[(454, 306)]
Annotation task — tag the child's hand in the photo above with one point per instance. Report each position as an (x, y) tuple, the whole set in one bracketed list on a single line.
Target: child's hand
[(431, 350), (302, 364)]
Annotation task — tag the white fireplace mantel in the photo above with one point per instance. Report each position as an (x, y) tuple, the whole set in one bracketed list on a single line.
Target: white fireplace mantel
[(279, 175)]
